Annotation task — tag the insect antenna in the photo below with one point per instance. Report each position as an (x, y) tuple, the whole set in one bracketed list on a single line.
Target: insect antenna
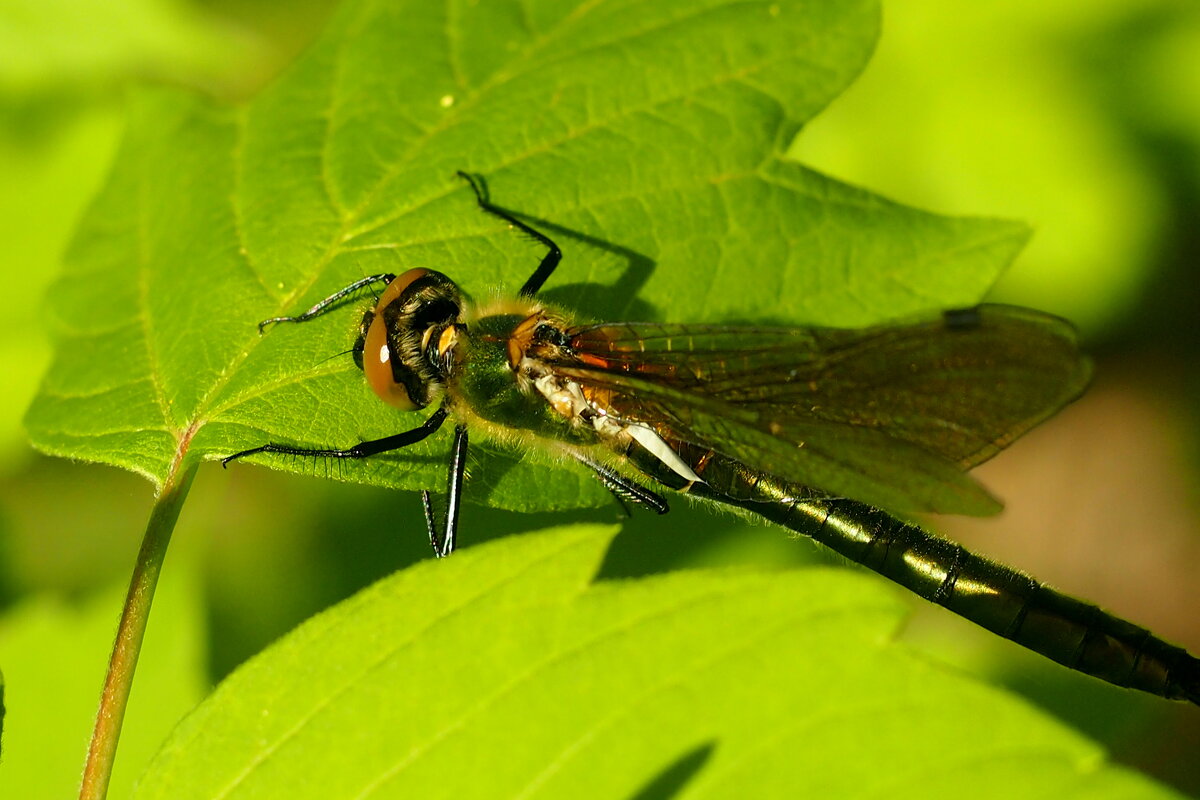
[(335, 355)]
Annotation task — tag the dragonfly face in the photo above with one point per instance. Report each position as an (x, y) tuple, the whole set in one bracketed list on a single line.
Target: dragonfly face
[(815, 429), (406, 341)]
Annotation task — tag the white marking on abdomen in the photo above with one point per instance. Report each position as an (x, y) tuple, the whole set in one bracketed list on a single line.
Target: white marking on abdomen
[(650, 440)]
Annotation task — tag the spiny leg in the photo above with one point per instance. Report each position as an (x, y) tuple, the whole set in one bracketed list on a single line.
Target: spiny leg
[(623, 488), (444, 545), (549, 261), (360, 450), (323, 306)]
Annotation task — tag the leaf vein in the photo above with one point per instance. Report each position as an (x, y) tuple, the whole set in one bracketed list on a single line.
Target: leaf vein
[(453, 46), (571, 135), (154, 369), (468, 101), (237, 154)]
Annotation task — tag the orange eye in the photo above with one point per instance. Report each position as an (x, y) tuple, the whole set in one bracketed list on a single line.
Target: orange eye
[(396, 288), (377, 354)]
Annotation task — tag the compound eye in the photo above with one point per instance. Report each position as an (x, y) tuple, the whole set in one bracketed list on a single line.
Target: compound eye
[(377, 353), (377, 366), (396, 288)]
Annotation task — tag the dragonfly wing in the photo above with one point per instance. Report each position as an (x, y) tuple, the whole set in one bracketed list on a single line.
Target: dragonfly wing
[(891, 414), (841, 460)]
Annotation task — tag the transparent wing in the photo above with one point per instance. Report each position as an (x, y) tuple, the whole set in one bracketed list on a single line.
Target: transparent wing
[(891, 415)]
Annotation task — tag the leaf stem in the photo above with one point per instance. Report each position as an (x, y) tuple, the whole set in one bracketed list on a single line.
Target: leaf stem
[(136, 613)]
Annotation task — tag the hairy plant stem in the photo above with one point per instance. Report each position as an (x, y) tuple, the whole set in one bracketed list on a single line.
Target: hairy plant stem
[(136, 613)]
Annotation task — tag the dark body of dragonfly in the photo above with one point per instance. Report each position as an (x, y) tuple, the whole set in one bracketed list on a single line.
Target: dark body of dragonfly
[(788, 423)]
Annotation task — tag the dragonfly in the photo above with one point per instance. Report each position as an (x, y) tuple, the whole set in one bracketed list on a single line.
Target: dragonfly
[(815, 429)]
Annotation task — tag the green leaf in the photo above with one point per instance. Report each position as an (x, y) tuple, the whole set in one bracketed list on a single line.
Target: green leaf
[(504, 672), (53, 669), (644, 135)]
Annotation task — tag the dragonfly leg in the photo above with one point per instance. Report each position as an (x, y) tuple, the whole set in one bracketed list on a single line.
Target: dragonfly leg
[(549, 261), (323, 306), (443, 545), (360, 450), (623, 488)]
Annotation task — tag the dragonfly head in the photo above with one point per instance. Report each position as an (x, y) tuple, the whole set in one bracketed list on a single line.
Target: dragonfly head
[(406, 341)]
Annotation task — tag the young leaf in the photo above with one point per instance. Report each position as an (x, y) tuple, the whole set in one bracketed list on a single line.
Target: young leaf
[(644, 135), (506, 672)]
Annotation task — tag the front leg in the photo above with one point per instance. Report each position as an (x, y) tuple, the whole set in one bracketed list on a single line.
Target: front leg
[(329, 302), (442, 544), (360, 450)]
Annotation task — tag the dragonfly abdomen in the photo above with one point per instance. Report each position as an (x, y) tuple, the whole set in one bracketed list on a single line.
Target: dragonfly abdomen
[(1009, 603), (1076, 634)]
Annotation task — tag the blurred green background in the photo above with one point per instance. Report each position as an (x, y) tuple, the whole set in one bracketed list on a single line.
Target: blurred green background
[(1078, 117)]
